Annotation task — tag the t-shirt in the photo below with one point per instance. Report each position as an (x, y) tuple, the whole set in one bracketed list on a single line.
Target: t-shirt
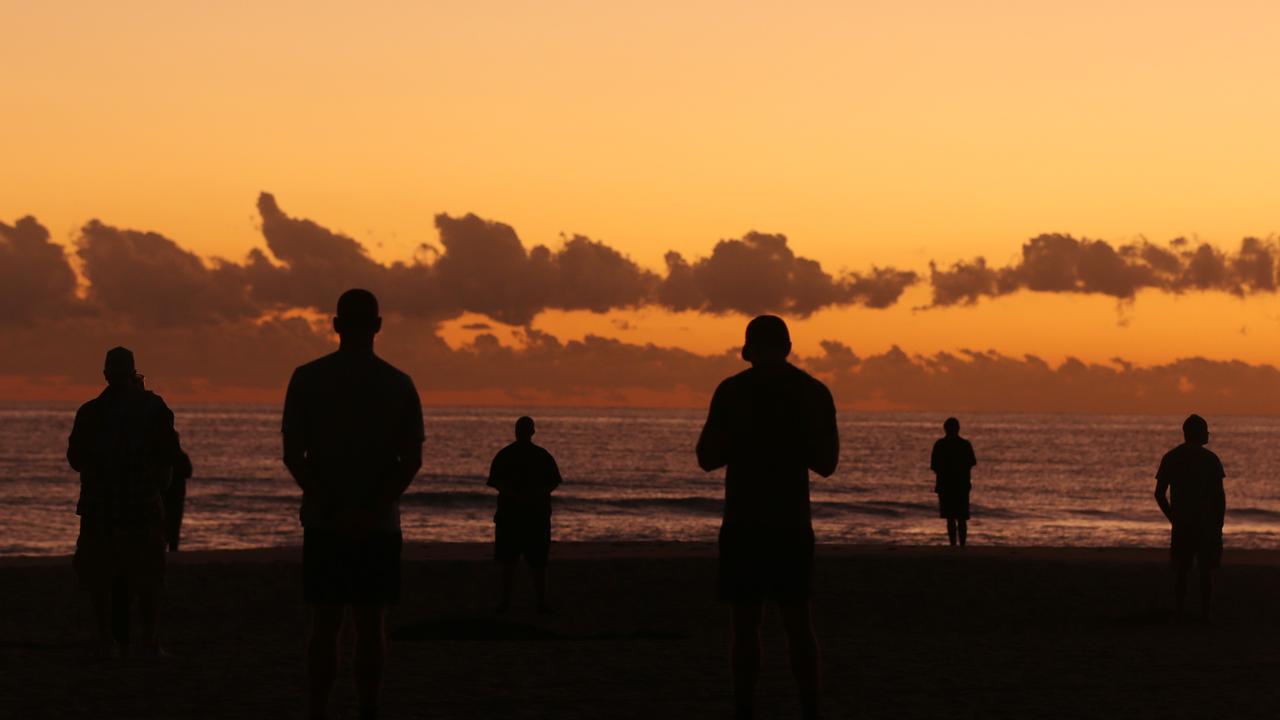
[(1194, 475), (124, 446), (349, 417), (775, 421), (524, 476), (951, 460)]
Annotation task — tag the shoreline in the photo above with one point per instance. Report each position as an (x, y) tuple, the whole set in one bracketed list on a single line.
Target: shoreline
[(660, 550)]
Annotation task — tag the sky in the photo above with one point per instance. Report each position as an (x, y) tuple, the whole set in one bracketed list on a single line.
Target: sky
[(886, 142)]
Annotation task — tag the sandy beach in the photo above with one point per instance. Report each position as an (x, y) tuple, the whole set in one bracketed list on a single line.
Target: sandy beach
[(906, 632)]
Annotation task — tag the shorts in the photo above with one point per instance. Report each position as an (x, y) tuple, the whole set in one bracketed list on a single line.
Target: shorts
[(340, 569), (762, 565), (953, 504), (529, 537), (108, 552), (1204, 544)]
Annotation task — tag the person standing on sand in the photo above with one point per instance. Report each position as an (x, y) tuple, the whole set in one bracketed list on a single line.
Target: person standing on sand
[(1190, 493), (951, 461), (123, 445), (769, 425), (353, 439), (524, 476)]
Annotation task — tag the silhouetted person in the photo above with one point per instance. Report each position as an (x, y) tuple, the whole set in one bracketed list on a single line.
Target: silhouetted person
[(123, 445), (1190, 493), (524, 476), (770, 425), (173, 498), (353, 442), (951, 461)]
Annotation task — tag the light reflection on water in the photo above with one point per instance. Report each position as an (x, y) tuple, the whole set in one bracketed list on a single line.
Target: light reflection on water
[(630, 474)]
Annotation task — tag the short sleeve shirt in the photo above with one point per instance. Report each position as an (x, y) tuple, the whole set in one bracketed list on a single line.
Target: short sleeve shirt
[(1194, 475), (774, 419), (350, 417)]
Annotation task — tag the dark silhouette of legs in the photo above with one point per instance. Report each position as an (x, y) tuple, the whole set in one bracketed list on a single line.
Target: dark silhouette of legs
[(539, 575), (802, 647), (103, 620), (1180, 587), (370, 656), (1206, 591), (962, 530), (148, 619), (121, 600), (508, 580), (322, 658), (951, 531), (744, 651)]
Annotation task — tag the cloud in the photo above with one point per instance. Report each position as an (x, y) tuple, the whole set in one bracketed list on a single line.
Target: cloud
[(1064, 264), (761, 274), (149, 279), (36, 280)]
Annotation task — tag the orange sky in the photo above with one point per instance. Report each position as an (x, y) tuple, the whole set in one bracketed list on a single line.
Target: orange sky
[(870, 133)]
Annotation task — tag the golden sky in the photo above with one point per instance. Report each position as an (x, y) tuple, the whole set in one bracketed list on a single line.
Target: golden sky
[(885, 133)]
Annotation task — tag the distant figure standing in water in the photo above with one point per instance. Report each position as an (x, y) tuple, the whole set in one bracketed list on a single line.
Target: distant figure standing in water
[(123, 445), (1190, 493), (524, 476), (353, 442), (770, 425), (951, 461)]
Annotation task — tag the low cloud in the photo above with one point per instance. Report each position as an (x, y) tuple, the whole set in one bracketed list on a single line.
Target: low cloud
[(36, 280), (760, 274), (1064, 264)]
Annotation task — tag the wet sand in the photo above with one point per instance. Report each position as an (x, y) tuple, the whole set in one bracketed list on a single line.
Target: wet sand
[(906, 632)]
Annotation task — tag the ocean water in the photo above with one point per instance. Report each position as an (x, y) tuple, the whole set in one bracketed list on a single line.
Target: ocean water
[(630, 475)]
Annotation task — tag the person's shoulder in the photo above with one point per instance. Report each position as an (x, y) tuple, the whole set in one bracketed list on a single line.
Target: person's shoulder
[(734, 383), (812, 385), (392, 372), (319, 365), (1209, 454)]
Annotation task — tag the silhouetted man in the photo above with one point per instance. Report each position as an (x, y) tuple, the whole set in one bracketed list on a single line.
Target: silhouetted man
[(173, 497), (524, 476), (353, 442), (951, 461), (1192, 475), (123, 445), (771, 425)]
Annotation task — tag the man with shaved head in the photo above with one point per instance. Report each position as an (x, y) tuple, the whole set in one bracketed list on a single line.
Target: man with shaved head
[(1190, 493), (353, 442), (524, 475), (769, 425)]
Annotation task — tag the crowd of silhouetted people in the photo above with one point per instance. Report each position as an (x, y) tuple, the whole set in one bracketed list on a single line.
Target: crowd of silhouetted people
[(353, 435)]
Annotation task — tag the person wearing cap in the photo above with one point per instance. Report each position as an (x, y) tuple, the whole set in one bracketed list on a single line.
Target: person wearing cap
[(952, 461), (1191, 495), (769, 426), (123, 444), (524, 475), (353, 435)]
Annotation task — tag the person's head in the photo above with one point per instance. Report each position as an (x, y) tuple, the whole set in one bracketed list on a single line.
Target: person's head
[(768, 341), (1195, 430), (357, 320), (118, 368), (524, 428), (951, 427)]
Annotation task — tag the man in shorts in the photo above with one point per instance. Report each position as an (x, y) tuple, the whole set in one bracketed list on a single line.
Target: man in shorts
[(524, 476), (123, 445), (1190, 493), (770, 425), (952, 461), (353, 442)]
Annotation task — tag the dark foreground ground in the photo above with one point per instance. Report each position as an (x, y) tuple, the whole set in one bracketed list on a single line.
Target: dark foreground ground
[(906, 632)]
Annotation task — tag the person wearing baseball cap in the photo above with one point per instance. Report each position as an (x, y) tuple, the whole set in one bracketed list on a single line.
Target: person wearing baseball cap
[(769, 426)]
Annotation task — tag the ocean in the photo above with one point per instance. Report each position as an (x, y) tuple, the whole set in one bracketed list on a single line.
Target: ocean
[(630, 475)]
